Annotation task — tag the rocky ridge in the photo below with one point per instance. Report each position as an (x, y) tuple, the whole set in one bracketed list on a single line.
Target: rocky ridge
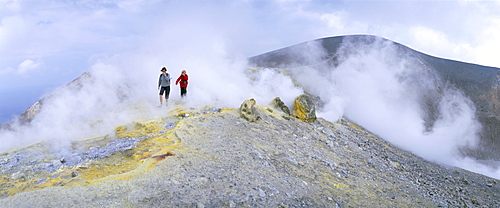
[(216, 158), (481, 84)]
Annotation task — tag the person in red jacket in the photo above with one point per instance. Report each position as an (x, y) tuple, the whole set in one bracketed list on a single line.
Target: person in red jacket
[(183, 79)]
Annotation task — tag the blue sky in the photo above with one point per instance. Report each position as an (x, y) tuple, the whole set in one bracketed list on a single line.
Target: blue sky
[(45, 44)]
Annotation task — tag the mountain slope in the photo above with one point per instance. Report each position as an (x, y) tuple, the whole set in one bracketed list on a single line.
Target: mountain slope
[(215, 158), (210, 157), (478, 83)]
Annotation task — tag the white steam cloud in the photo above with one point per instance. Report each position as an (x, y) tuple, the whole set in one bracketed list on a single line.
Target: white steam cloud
[(373, 85), (123, 89), (385, 91)]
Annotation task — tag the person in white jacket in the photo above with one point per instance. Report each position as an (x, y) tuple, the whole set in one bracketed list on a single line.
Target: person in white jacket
[(164, 85)]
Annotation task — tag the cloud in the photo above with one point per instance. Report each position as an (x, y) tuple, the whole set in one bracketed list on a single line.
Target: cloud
[(334, 21), (14, 32), (465, 31), (59, 30), (438, 43), (28, 66), (9, 5), (487, 50), (6, 70)]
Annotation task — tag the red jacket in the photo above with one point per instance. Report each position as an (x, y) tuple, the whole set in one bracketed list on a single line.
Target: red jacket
[(183, 79)]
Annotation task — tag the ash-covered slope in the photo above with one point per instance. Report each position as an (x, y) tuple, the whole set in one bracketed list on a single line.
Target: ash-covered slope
[(215, 158), (478, 83)]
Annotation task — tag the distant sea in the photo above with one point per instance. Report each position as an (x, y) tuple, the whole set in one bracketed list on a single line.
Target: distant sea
[(14, 101)]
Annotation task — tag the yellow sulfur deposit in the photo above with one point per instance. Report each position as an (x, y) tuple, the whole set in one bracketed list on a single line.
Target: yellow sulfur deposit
[(122, 164)]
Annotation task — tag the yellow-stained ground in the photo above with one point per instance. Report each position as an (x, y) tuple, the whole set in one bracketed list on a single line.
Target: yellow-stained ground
[(121, 165)]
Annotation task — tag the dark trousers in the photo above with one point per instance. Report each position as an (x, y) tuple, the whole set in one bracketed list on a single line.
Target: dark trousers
[(165, 90), (183, 91)]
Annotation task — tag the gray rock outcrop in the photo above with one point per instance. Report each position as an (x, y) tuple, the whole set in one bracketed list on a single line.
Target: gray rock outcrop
[(279, 104), (247, 110), (304, 108)]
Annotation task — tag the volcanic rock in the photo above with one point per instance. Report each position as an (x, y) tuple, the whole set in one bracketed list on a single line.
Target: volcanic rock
[(304, 108), (247, 110), (279, 104), (216, 159)]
